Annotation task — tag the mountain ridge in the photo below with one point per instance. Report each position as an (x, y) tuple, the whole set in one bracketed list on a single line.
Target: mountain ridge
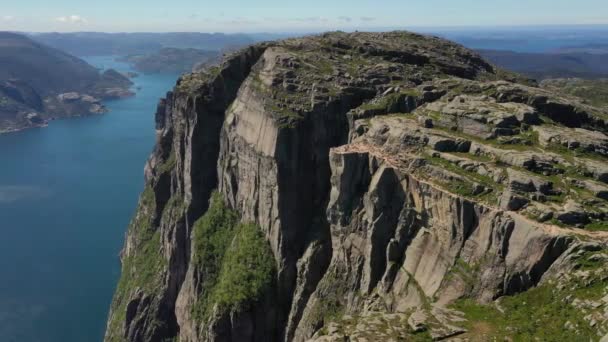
[(40, 83), (401, 184)]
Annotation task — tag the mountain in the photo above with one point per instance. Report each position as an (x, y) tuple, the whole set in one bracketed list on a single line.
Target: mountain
[(38, 83), (594, 48), (123, 44), (368, 186), (172, 60), (551, 65)]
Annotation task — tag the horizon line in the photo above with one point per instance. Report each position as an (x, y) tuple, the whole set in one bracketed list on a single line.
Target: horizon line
[(350, 29)]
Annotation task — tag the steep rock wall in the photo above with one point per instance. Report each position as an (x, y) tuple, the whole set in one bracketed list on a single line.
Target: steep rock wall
[(326, 145)]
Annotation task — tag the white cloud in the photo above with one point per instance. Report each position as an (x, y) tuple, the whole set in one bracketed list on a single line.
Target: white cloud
[(346, 19), (311, 20), (8, 18), (72, 19), (368, 18)]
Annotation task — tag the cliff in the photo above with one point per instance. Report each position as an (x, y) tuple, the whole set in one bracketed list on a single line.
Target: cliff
[(378, 186)]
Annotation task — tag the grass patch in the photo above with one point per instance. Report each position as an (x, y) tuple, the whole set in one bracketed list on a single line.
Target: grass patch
[(538, 314), (465, 188), (597, 226), (542, 313), (573, 154), (490, 142), (594, 92)]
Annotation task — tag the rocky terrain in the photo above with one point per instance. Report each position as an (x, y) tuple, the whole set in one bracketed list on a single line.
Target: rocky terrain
[(39, 83), (594, 92), (368, 187), (172, 60)]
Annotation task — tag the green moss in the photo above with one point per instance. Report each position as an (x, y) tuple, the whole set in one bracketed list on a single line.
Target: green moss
[(234, 260)]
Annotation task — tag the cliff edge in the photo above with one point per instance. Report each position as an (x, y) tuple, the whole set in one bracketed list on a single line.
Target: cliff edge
[(367, 186)]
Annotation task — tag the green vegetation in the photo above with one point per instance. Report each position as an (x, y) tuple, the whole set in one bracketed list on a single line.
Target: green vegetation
[(140, 269), (375, 326), (191, 82), (541, 313), (466, 188), (537, 314), (390, 102), (594, 92), (477, 157), (573, 154), (597, 226), (169, 164), (466, 272), (494, 142), (247, 269), (234, 260), (525, 138)]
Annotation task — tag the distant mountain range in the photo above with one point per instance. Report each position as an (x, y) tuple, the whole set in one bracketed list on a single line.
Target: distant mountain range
[(569, 63), (35, 75), (122, 44), (171, 60), (597, 48), (39, 83)]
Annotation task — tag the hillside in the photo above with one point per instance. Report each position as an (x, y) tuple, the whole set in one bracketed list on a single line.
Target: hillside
[(172, 60), (368, 186), (123, 44), (38, 83)]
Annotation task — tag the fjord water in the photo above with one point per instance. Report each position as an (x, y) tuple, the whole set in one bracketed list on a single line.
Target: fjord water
[(67, 193)]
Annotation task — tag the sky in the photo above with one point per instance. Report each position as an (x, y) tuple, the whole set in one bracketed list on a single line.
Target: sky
[(289, 16)]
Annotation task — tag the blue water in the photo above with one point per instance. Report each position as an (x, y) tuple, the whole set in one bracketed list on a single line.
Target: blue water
[(67, 193)]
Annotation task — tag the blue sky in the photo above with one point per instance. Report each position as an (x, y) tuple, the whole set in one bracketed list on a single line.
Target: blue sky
[(289, 16)]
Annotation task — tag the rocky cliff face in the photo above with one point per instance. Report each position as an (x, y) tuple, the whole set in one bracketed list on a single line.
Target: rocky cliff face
[(379, 186)]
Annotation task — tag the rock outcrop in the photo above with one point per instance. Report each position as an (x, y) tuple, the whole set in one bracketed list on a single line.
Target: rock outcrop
[(379, 186)]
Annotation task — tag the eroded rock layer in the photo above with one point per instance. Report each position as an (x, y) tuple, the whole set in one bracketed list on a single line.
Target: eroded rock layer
[(379, 186)]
